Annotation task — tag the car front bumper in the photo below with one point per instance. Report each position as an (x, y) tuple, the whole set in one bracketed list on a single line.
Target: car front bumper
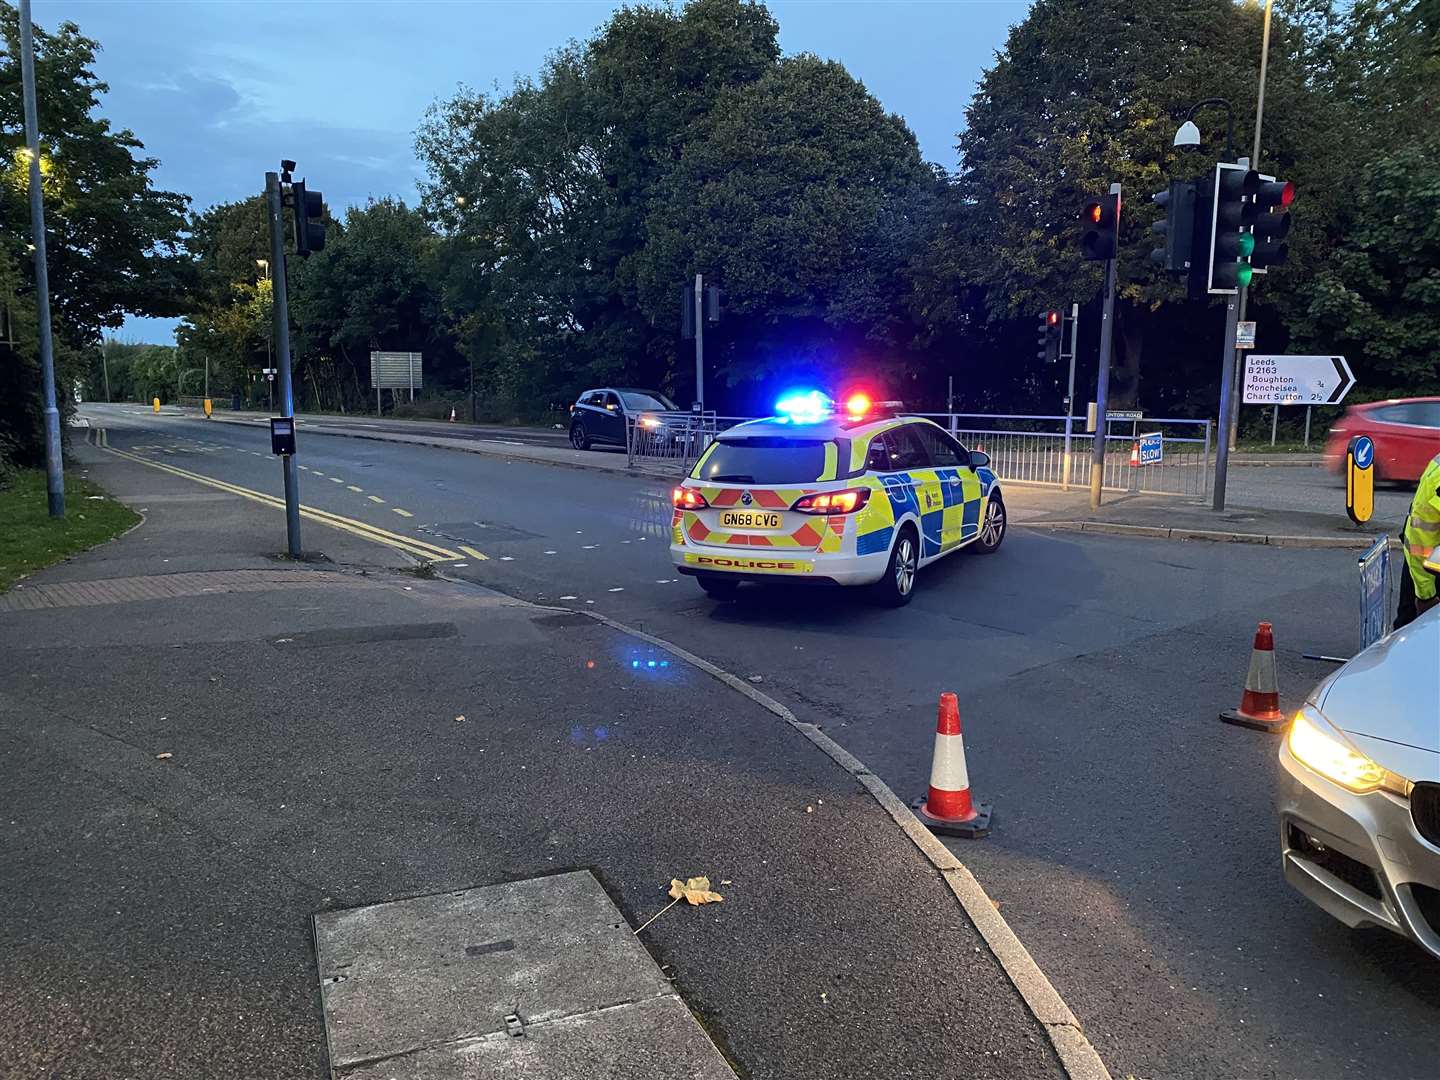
[(1359, 857), (781, 564)]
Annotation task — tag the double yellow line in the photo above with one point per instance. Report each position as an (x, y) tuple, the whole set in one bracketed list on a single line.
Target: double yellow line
[(411, 546)]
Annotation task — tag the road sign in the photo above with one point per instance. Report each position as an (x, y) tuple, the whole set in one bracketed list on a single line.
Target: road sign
[(1375, 593), (1360, 479), (1296, 380), (1245, 334), (1151, 448), (396, 370), (1124, 414)]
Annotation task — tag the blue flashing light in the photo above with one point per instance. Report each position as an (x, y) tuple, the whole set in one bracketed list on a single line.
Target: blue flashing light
[(805, 407), (634, 663), (649, 663)]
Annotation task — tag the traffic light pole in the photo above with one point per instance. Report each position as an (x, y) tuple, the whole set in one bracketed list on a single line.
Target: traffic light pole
[(1070, 397), (1102, 377), (1227, 406), (700, 340), (280, 302)]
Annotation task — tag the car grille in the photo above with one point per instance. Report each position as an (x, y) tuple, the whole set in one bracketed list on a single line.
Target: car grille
[(1425, 810), (1355, 874)]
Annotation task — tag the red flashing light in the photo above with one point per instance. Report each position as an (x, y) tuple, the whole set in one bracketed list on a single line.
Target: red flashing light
[(858, 404), (1052, 317), (1096, 212)]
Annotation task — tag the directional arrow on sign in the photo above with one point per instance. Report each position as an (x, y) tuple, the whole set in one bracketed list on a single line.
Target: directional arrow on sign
[(1297, 380)]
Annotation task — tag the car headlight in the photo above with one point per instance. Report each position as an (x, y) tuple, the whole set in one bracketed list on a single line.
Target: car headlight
[(1317, 746), (650, 422)]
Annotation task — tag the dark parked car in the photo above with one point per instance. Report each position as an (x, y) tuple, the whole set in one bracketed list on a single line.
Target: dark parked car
[(600, 416)]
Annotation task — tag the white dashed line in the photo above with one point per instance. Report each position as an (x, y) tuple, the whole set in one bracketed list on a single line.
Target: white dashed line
[(402, 513), (507, 558), (569, 598), (552, 553), (358, 490), (376, 499), (336, 480), (617, 589)]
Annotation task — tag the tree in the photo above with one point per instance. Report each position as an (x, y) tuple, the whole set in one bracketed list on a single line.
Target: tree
[(371, 288), (807, 201), (112, 239), (1089, 92), (545, 191)]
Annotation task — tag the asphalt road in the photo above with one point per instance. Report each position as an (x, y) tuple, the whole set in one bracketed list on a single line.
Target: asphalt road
[(1135, 849)]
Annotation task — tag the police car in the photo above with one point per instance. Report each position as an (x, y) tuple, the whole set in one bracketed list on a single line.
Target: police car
[(856, 495)]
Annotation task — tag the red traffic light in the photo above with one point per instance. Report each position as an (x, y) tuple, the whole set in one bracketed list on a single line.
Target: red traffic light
[(1052, 317), (1095, 212)]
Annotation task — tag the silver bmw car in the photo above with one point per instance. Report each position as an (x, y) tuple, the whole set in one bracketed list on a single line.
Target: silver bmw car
[(1360, 788)]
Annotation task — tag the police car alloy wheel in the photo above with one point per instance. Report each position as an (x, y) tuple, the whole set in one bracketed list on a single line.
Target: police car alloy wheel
[(897, 585), (578, 438), (992, 529)]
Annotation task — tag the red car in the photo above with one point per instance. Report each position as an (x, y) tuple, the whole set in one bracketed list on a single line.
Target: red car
[(1406, 432)]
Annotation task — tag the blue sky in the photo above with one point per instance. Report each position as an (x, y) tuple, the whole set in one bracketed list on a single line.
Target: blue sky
[(219, 90)]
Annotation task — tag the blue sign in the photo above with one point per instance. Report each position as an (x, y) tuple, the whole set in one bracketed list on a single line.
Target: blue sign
[(1152, 449), (1375, 590), (1364, 452)]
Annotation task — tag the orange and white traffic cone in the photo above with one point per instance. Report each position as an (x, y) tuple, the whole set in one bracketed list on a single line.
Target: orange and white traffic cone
[(1260, 703), (1135, 455), (947, 807), (452, 414)]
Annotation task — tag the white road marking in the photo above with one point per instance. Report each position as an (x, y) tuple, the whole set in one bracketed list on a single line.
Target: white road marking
[(589, 547), (551, 553), (569, 598), (376, 499), (507, 558), (402, 513), (352, 487), (336, 480), (618, 589)]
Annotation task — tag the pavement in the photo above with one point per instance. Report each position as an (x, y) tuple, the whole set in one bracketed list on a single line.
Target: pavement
[(1134, 849), (205, 746)]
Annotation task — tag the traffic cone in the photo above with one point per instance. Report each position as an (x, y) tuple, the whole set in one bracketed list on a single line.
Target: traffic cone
[(452, 414), (1260, 703), (947, 807), (1135, 455)]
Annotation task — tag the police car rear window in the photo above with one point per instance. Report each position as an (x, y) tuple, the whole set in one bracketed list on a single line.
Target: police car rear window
[(766, 460)]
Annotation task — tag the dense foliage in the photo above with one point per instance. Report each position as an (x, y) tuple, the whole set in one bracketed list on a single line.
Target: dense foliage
[(559, 219)]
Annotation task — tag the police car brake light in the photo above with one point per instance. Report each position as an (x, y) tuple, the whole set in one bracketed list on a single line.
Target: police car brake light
[(688, 499), (833, 502)]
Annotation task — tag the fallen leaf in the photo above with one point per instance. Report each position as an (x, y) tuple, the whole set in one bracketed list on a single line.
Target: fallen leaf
[(725, 882), (695, 891), (164, 757), (809, 809), (460, 719)]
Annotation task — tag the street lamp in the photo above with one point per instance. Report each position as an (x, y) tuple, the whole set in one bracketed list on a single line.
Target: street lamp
[(1188, 137)]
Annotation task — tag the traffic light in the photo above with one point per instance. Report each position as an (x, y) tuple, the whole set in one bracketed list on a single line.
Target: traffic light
[(1177, 229), (1231, 241), (1049, 337), (309, 208), (1100, 221), (1271, 223)]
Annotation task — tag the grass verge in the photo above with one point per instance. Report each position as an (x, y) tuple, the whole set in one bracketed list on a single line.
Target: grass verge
[(31, 539)]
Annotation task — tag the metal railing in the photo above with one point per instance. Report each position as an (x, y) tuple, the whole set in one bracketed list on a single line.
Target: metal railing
[(1024, 448), (1023, 451), (678, 437)]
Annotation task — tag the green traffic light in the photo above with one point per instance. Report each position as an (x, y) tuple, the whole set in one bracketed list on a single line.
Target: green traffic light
[(1246, 244), (1243, 273)]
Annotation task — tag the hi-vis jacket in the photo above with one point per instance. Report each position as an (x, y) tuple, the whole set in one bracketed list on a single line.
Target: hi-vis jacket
[(1422, 533)]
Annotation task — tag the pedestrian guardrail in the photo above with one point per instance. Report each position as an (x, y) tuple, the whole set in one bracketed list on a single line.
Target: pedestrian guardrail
[(1030, 448), (678, 437), (1161, 456)]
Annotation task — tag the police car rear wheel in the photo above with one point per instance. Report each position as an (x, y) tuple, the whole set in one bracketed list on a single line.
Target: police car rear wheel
[(718, 587), (898, 584), (992, 529), (578, 437)]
